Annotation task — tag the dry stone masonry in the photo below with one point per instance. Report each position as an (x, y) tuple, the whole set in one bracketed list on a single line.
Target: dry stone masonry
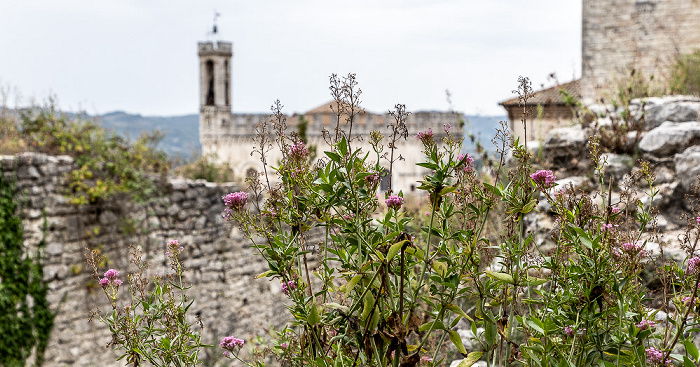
[(221, 266)]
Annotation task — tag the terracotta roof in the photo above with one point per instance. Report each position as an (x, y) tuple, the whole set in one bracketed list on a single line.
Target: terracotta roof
[(549, 96)]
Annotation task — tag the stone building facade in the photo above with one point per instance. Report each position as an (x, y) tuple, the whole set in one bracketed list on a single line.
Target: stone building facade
[(229, 136), (641, 35)]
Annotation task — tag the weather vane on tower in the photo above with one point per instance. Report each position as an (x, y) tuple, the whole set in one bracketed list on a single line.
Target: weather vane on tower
[(216, 16)]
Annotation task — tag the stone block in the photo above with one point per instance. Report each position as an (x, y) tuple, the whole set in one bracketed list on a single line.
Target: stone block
[(670, 138)]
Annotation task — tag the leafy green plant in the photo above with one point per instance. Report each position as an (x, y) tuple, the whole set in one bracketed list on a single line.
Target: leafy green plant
[(387, 294), (154, 327), (107, 164), (26, 319), (685, 74)]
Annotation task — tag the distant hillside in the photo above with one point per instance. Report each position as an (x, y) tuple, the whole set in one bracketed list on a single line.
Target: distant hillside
[(182, 132)]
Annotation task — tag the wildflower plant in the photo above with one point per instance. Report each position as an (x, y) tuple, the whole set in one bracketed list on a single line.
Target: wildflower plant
[(152, 327), (388, 291)]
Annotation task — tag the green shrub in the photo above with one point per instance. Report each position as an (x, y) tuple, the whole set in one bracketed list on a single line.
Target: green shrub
[(685, 74)]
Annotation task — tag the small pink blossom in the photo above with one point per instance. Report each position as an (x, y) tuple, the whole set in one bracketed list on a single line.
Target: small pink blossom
[(288, 287), (446, 127), (234, 202), (298, 151), (569, 331), (608, 226), (284, 345), (544, 179), (634, 249), (104, 282), (616, 210), (426, 359), (645, 324), (655, 357), (468, 161), (394, 202), (372, 180), (693, 265), (426, 136), (229, 344)]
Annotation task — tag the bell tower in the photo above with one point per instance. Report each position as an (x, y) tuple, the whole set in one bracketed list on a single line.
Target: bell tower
[(214, 85)]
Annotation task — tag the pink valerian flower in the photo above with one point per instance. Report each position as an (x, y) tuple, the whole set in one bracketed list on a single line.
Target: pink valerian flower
[(634, 249), (694, 265), (446, 127), (348, 216), (394, 202), (173, 248), (468, 161), (616, 210), (569, 331), (655, 357), (544, 179), (687, 301), (236, 200), (298, 152), (426, 137), (110, 279), (284, 345), (608, 226), (288, 287), (229, 344), (697, 219), (645, 324), (372, 180), (426, 359)]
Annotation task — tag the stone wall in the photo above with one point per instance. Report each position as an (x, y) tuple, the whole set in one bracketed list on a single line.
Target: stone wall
[(645, 35), (219, 262)]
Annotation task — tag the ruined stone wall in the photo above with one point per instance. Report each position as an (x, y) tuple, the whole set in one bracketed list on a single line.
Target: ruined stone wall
[(220, 263), (644, 35)]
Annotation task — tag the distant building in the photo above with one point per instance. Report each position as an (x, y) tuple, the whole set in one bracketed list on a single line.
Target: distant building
[(619, 38), (547, 109), (230, 135)]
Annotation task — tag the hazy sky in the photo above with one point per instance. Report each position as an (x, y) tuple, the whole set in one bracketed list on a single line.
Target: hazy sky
[(141, 56)]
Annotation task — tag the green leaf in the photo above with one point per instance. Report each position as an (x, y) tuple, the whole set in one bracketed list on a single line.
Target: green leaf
[(457, 341), (394, 249), (313, 318), (456, 309), (440, 268), (691, 349), (351, 284), (687, 362), (535, 281), (427, 326), (265, 274), (507, 278), (472, 358), (333, 156), (368, 305)]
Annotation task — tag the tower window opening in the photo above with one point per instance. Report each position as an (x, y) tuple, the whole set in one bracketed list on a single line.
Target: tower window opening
[(210, 83), (384, 181)]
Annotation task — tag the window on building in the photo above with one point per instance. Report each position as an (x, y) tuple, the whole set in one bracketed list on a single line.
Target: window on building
[(209, 74)]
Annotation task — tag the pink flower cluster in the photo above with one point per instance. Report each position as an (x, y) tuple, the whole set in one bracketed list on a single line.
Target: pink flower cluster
[(394, 202), (372, 179), (694, 265), (645, 324), (234, 202), (288, 287), (655, 357), (174, 248), (298, 152), (634, 249), (110, 279), (446, 127), (608, 226), (687, 301), (570, 331), (229, 343), (468, 161), (426, 136), (426, 359), (544, 179)]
